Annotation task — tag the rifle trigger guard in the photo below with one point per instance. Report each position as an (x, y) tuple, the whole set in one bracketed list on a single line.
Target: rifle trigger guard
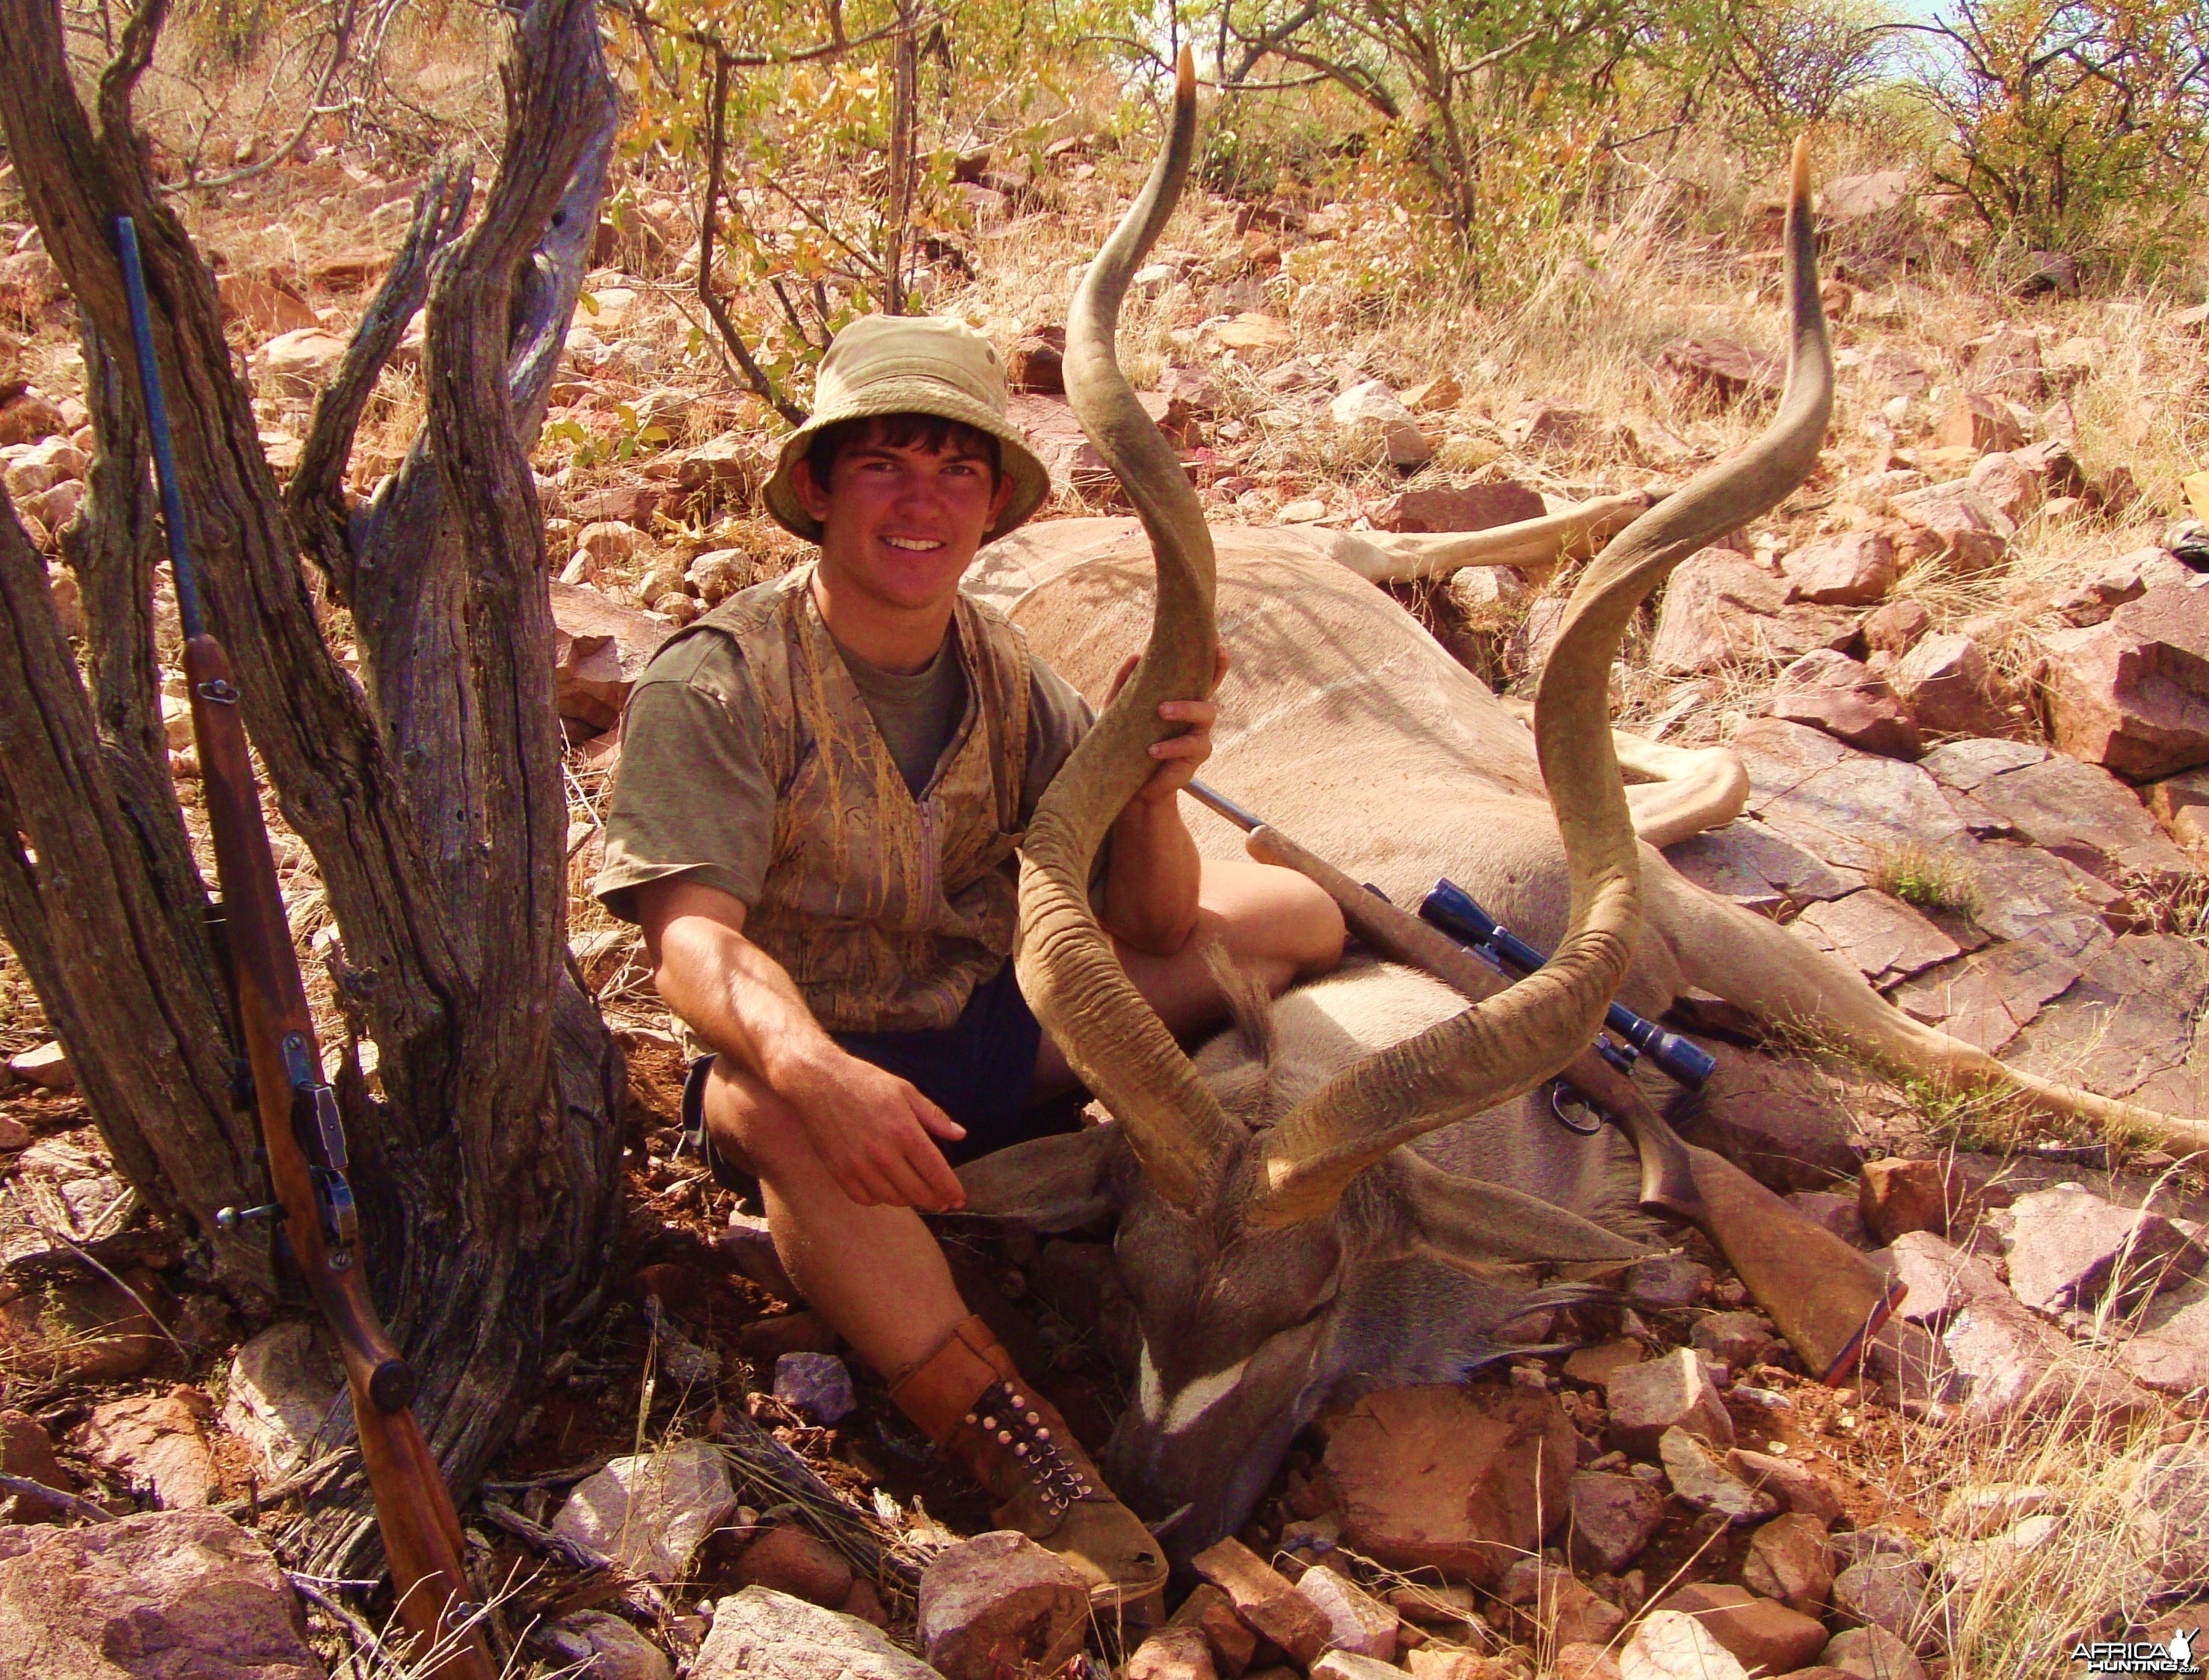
[(340, 1219), (1557, 1111)]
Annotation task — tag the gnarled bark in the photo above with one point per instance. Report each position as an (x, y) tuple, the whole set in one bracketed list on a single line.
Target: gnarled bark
[(431, 800)]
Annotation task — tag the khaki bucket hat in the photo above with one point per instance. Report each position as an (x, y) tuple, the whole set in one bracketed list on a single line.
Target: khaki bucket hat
[(911, 364)]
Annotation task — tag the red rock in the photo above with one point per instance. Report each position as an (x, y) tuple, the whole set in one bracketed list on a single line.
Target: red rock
[(632, 505), (1699, 1477), (999, 1601), (1612, 1519), (1961, 526), (1853, 570), (156, 1441), (1948, 684), (1829, 692), (2181, 804), (1760, 1633), (1481, 507), (1597, 1365), (1211, 1612), (1719, 371), (1977, 421), (1886, 939), (864, 1603), (2006, 362), (600, 649), (1197, 393), (1037, 361), (1585, 1662), (2069, 1248), (27, 1450), (2133, 695), (1868, 1653), (1796, 1486), (1895, 1196), (87, 1328), (27, 417), (1538, 425), (1895, 626), (1720, 607), (1790, 1560), (1263, 1597), (1459, 1480), (2088, 817), (790, 1559), (1357, 1622), (1173, 1653), (161, 1593), (1736, 1340), (47, 1067), (1562, 1606), (1674, 1391)]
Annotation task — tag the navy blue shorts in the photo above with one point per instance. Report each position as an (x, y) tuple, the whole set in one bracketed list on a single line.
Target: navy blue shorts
[(978, 1070)]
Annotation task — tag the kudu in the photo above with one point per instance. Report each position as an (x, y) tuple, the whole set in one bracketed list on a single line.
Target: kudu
[(1280, 1240)]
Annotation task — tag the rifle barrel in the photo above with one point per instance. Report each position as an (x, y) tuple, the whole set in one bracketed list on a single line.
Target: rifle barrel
[(157, 422), (300, 1130)]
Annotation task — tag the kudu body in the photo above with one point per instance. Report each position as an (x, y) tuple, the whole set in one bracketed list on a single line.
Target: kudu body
[(1363, 1188)]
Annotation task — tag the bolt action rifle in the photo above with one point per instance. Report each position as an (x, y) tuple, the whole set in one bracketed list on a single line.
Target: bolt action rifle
[(1827, 1299), (300, 1128)]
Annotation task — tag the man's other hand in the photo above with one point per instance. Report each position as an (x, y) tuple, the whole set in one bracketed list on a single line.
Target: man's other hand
[(1180, 756), (875, 1133)]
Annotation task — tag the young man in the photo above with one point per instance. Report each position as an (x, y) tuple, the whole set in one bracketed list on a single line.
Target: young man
[(821, 786)]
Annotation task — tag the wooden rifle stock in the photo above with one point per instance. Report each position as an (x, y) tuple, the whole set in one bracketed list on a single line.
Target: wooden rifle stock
[(1825, 1297), (299, 1125)]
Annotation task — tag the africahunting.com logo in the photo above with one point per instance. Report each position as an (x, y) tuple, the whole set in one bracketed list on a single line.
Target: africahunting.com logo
[(2114, 1656)]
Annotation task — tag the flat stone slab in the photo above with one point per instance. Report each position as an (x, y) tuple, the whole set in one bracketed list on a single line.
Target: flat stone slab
[(1989, 996), (2035, 896), (1758, 868), (1845, 807), (2069, 1248), (1963, 765), (2133, 1016), (1886, 939), (2082, 813)]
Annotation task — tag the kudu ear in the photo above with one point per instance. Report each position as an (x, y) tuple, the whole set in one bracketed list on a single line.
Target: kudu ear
[(1475, 1225), (1047, 1183)]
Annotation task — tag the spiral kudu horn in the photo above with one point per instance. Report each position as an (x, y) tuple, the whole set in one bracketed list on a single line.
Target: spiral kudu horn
[(1503, 1046), (1066, 967)]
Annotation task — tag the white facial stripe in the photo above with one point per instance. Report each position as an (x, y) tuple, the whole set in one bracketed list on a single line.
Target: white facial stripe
[(1200, 1396), (1148, 1395)]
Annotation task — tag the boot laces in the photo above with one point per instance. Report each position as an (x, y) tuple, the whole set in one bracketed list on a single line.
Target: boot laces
[(1008, 1416)]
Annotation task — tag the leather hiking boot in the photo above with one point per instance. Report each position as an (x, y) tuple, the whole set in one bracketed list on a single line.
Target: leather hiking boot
[(970, 1401)]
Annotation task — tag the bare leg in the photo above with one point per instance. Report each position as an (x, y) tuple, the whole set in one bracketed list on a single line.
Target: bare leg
[(1274, 926), (873, 1272), (877, 1273)]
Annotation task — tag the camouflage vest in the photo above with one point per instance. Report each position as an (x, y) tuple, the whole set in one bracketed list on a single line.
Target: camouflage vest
[(887, 911)]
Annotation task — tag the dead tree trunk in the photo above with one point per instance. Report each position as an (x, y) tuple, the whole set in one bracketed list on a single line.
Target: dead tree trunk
[(430, 795)]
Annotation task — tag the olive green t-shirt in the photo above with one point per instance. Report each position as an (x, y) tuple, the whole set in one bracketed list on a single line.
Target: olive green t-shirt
[(692, 797)]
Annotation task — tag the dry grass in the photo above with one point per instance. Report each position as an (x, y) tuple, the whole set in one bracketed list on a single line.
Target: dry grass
[(1926, 877)]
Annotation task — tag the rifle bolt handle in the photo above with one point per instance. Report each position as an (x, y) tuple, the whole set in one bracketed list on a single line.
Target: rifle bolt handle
[(391, 1385), (234, 1219)]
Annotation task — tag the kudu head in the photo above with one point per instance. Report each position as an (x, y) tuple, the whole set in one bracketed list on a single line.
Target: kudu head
[(1248, 1211)]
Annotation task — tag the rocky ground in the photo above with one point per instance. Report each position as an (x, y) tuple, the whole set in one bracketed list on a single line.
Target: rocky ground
[(1967, 668)]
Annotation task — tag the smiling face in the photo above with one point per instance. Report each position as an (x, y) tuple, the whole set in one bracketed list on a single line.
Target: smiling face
[(903, 510)]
